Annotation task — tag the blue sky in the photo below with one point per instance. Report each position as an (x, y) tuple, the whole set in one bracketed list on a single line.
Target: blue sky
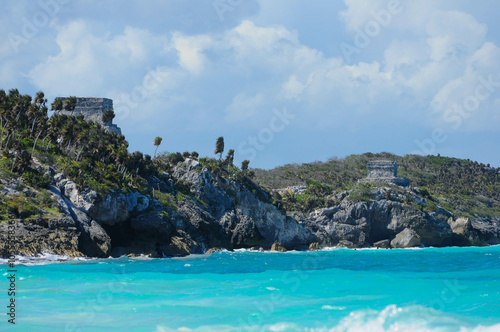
[(283, 81)]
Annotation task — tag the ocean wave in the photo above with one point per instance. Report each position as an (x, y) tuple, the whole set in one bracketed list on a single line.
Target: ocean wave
[(390, 319), (413, 318), (48, 258), (43, 259)]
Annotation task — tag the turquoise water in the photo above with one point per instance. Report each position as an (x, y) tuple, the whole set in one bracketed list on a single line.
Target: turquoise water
[(446, 289)]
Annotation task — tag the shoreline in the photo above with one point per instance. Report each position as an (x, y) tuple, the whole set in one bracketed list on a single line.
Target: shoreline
[(47, 258)]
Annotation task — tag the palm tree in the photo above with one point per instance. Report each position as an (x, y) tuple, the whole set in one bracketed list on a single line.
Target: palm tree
[(40, 98), (57, 105), (244, 165), (229, 159), (157, 143), (108, 116), (219, 146), (70, 104)]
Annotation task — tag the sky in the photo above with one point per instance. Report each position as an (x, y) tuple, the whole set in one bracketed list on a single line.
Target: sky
[(283, 81)]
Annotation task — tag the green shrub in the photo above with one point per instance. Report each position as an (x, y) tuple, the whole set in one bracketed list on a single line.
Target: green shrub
[(430, 206), (183, 187), (19, 206), (166, 200), (28, 143), (35, 179), (316, 187), (424, 192), (362, 192), (5, 171)]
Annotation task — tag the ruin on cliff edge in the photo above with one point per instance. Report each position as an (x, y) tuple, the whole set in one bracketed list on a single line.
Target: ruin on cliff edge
[(92, 109), (384, 171)]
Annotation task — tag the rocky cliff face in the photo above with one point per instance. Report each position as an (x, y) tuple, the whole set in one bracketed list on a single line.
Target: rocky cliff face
[(245, 219), (217, 213), (386, 223), (227, 213)]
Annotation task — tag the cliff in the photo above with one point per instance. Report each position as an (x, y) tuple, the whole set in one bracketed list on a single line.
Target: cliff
[(385, 220), (70, 187), (193, 210), (215, 212)]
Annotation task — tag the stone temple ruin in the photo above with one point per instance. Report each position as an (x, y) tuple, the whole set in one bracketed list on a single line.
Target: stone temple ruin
[(92, 109), (384, 171)]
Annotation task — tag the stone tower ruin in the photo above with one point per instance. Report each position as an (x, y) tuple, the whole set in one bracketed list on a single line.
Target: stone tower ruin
[(384, 171), (92, 109)]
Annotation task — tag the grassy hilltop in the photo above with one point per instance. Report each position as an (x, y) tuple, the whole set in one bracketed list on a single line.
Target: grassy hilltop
[(463, 187)]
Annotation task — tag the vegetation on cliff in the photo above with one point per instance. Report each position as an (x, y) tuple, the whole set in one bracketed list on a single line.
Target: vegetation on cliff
[(97, 159), (463, 187), (85, 153), (77, 182)]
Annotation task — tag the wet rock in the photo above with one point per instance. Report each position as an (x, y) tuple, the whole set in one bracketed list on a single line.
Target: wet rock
[(406, 239), (346, 244), (33, 239), (180, 246), (383, 244), (475, 232), (314, 246), (213, 250), (363, 223), (93, 240), (277, 246)]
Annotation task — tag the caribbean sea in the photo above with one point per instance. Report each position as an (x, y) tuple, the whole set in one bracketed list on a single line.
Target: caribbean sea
[(430, 289)]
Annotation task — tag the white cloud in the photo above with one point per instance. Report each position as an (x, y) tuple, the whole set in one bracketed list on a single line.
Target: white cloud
[(269, 66), (89, 64), (456, 33), (468, 103), (244, 107), (359, 12), (292, 88), (440, 60), (191, 51)]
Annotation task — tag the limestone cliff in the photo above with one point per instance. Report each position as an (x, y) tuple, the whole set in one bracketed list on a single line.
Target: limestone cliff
[(385, 219), (217, 213), (193, 210)]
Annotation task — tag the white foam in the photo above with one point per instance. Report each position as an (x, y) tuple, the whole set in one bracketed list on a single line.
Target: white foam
[(141, 257), (390, 319), (44, 259), (494, 328), (242, 250), (332, 307)]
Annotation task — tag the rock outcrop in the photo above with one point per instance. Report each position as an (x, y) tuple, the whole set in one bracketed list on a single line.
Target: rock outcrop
[(217, 212), (476, 232), (209, 211), (407, 238), (243, 217), (56, 236), (277, 246), (383, 222)]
